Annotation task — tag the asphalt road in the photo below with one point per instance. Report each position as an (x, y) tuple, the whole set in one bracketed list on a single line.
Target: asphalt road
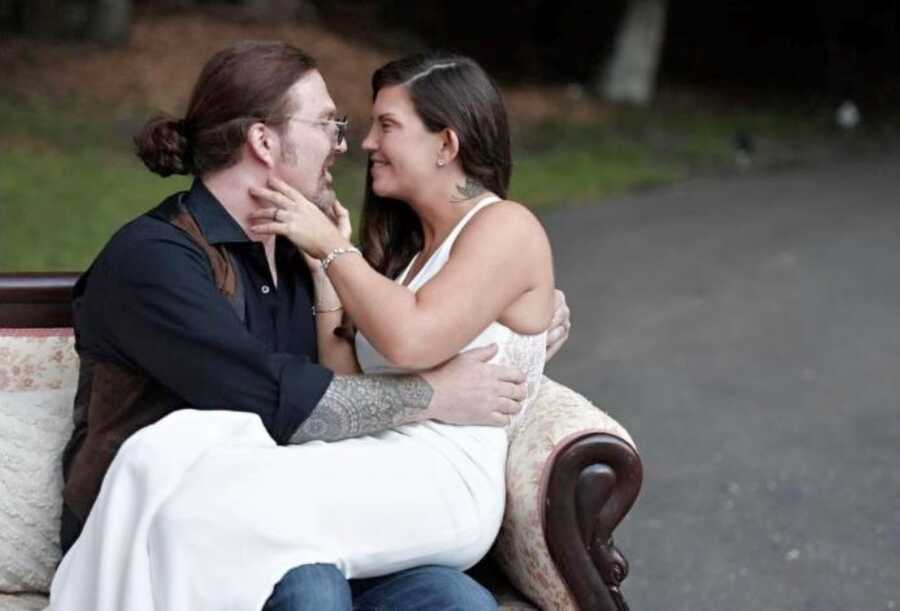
[(747, 333)]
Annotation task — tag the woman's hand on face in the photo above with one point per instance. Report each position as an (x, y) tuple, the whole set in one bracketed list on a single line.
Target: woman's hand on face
[(288, 213), (340, 216)]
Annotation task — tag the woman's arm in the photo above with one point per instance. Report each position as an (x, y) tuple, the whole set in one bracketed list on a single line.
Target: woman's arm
[(500, 269), (501, 256), (336, 352)]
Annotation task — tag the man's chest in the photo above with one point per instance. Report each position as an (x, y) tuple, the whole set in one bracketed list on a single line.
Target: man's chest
[(278, 314)]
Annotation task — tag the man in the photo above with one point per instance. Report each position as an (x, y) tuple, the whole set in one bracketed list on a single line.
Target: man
[(183, 309)]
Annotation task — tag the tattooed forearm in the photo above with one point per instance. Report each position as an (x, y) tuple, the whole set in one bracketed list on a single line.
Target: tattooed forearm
[(356, 405), (471, 189)]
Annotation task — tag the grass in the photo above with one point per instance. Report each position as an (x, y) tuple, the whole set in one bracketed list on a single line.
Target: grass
[(559, 163), (59, 208), (68, 178)]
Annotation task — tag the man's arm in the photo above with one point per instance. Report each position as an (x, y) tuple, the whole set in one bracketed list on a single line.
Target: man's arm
[(157, 311), (356, 405), (464, 390)]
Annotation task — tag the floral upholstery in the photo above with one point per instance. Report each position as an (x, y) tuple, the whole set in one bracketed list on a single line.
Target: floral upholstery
[(556, 416), (37, 359)]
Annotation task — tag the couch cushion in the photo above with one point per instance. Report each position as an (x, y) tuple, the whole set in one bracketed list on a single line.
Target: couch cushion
[(37, 359), (34, 428), (23, 602), (38, 373)]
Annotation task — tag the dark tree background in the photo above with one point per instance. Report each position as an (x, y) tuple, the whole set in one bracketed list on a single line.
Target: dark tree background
[(838, 49), (104, 21), (823, 47), (107, 21)]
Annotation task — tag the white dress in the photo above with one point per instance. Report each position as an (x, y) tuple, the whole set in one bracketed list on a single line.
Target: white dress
[(214, 526)]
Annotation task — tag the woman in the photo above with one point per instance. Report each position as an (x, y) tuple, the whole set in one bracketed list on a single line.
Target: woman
[(449, 265), (439, 154)]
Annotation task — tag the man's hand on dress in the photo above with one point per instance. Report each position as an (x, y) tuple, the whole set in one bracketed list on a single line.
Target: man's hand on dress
[(469, 390), (558, 332)]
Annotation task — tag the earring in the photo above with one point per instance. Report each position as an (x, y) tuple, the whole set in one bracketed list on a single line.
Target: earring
[(440, 162)]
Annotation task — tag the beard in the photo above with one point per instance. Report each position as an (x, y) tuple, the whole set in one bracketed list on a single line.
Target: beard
[(324, 196)]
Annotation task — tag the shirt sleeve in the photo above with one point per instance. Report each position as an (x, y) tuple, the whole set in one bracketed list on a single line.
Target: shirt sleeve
[(164, 315)]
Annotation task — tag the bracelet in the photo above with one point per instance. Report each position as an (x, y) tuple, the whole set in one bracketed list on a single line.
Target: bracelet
[(334, 254), (317, 310)]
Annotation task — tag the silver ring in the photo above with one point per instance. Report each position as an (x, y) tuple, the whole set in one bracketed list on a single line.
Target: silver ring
[(275, 216)]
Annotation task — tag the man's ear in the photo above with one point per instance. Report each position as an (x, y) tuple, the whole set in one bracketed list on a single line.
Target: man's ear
[(261, 143), (449, 145)]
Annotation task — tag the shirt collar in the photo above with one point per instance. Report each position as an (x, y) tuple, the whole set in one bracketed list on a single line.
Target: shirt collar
[(216, 223)]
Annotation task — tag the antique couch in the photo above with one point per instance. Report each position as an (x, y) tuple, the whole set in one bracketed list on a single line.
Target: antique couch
[(573, 472)]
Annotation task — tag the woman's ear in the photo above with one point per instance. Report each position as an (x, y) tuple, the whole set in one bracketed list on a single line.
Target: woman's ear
[(449, 146), (260, 143)]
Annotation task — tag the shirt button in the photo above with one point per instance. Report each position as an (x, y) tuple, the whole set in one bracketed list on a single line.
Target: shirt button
[(265, 289)]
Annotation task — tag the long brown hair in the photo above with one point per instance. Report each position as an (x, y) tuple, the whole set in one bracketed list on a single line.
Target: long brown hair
[(240, 85), (447, 91)]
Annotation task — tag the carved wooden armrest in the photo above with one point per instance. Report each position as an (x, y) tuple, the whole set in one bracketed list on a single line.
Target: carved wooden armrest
[(572, 474)]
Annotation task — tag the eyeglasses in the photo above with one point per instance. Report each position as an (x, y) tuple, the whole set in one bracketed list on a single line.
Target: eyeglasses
[(337, 127)]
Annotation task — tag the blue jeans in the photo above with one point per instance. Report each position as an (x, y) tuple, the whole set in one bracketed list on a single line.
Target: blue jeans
[(321, 587)]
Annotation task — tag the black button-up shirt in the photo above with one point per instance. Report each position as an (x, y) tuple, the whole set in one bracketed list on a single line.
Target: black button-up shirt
[(149, 303)]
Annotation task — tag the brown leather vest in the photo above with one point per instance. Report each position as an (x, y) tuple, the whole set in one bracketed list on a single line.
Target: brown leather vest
[(113, 401)]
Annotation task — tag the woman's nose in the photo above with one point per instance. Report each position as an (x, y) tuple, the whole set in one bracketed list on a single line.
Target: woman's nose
[(368, 143)]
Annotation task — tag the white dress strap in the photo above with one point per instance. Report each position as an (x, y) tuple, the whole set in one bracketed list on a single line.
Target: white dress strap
[(457, 229), (402, 277), (442, 253)]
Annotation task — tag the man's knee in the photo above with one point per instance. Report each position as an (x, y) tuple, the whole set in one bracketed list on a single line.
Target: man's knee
[(445, 589), (313, 587), (459, 590)]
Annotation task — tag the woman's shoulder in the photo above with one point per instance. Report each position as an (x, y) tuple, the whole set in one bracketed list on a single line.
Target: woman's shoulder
[(508, 243), (506, 222), (511, 210)]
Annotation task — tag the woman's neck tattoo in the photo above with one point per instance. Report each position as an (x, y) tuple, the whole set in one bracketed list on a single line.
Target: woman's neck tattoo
[(471, 189)]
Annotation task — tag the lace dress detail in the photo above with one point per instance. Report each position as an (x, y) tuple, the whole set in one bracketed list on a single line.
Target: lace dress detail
[(528, 354)]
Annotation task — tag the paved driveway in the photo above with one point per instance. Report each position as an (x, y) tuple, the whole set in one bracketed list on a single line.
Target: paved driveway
[(747, 332)]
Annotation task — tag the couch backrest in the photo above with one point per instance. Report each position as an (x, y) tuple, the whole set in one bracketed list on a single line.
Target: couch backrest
[(36, 300), (36, 344)]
